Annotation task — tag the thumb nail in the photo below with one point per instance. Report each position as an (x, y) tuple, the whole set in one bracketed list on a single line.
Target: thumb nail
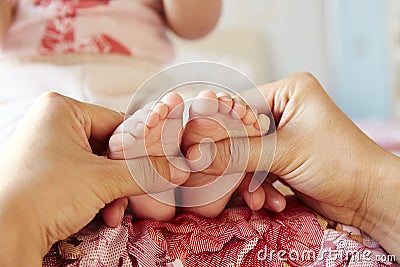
[(178, 176), (201, 156)]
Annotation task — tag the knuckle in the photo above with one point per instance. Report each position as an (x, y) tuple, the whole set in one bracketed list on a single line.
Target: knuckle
[(52, 101), (51, 97), (305, 75), (222, 156), (239, 153), (306, 82)]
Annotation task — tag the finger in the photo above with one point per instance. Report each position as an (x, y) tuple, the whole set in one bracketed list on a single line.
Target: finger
[(234, 155), (97, 122), (271, 153), (113, 213), (255, 200), (274, 200), (264, 98), (115, 179)]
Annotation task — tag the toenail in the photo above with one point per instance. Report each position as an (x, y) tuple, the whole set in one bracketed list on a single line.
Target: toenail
[(226, 99), (177, 176)]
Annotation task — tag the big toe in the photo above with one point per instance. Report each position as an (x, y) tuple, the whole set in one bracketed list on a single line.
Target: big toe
[(175, 105), (205, 104)]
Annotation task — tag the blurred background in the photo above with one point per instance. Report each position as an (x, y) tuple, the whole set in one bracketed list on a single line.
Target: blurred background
[(351, 46)]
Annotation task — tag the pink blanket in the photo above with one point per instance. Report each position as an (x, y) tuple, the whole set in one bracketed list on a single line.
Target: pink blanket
[(238, 237)]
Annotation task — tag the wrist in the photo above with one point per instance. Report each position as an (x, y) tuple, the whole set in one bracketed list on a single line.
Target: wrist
[(18, 244), (379, 214), (22, 242)]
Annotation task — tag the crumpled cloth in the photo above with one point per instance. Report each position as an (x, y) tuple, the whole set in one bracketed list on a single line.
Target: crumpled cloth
[(238, 237)]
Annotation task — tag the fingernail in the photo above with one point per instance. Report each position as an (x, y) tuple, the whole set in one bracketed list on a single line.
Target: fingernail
[(251, 203), (276, 204), (193, 153), (207, 151), (178, 177), (202, 156), (121, 215)]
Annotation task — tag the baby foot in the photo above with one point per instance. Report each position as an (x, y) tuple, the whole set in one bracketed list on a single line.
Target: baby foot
[(213, 118), (154, 130), (219, 117), (150, 140)]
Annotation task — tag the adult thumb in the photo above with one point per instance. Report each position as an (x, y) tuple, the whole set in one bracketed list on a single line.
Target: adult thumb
[(233, 155), (121, 178)]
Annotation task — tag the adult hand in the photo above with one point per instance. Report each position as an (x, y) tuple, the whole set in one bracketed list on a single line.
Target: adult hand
[(54, 179), (330, 164)]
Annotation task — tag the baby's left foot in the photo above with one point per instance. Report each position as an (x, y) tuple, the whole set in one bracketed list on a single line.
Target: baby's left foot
[(213, 118), (150, 140)]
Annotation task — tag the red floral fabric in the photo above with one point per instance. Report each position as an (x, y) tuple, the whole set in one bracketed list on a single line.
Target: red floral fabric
[(238, 237)]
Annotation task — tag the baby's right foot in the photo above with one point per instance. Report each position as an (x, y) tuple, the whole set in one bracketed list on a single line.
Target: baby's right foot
[(150, 139), (213, 118), (219, 117)]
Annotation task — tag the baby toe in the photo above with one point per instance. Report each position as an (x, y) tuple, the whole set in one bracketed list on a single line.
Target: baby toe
[(115, 143), (152, 119), (161, 109), (239, 108), (205, 104), (225, 103), (251, 116), (175, 105), (262, 123)]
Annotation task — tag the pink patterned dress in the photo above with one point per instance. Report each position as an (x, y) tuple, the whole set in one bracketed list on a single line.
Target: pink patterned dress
[(122, 27)]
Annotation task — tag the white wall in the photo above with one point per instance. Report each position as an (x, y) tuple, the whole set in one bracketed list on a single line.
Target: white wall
[(278, 37), (342, 42), (294, 32)]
